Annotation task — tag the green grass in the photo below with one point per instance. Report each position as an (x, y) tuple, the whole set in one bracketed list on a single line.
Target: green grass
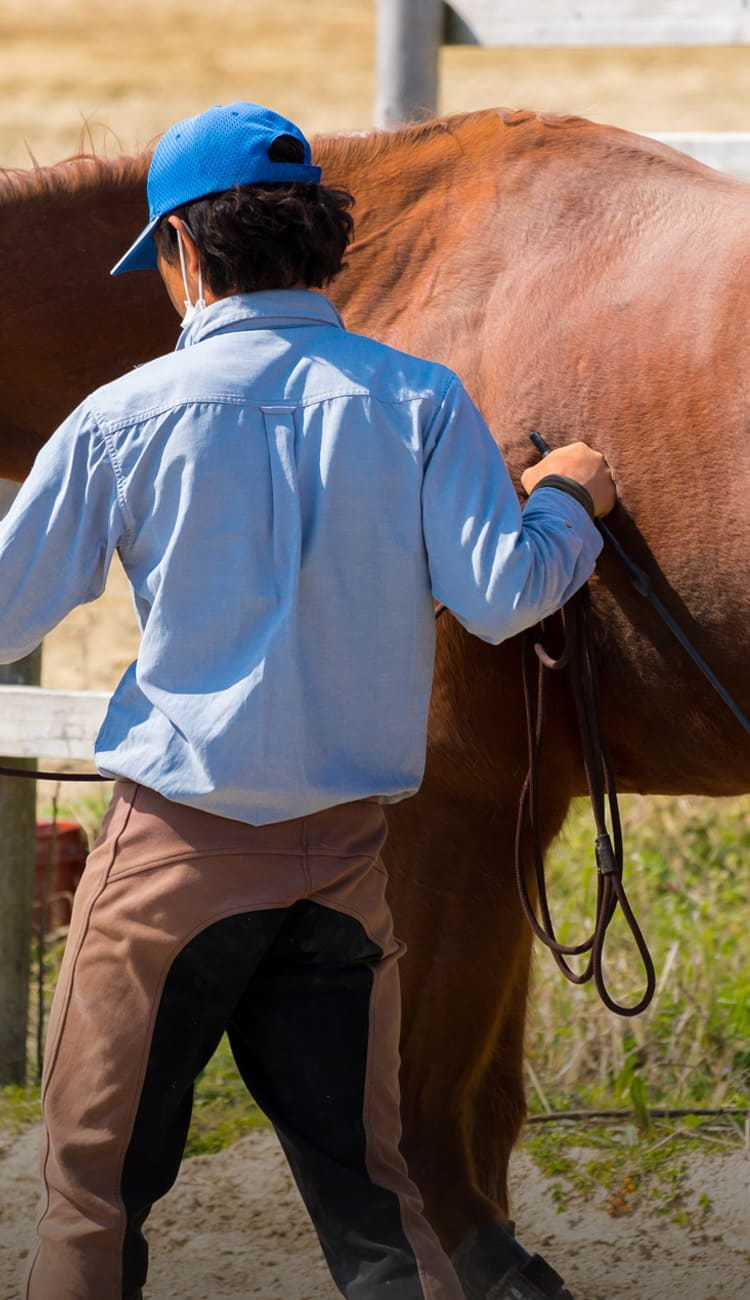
[(623, 1166), (19, 1107), (686, 873), (223, 1111)]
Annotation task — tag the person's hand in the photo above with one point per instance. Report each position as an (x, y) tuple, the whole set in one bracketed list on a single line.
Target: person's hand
[(580, 462)]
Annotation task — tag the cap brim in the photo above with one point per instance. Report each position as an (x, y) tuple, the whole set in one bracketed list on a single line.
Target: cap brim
[(141, 256)]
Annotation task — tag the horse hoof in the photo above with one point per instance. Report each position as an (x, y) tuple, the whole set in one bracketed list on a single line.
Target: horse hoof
[(491, 1265)]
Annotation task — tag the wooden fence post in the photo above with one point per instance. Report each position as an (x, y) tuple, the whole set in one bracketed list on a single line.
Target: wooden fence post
[(411, 32), (17, 856), (408, 40)]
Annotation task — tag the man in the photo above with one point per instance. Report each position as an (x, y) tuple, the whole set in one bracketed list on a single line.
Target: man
[(287, 500)]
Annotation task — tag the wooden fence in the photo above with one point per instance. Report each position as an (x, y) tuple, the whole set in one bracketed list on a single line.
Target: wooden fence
[(34, 724), (410, 33), (43, 724)]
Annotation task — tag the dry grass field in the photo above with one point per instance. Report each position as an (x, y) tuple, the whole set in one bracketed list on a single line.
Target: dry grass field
[(123, 73)]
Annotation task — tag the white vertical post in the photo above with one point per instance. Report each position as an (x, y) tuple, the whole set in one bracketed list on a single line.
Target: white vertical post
[(409, 35), (17, 859)]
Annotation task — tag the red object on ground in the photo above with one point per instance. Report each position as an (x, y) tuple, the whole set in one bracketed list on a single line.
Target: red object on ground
[(65, 870)]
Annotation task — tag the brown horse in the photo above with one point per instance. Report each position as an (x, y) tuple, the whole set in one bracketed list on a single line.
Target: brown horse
[(583, 281)]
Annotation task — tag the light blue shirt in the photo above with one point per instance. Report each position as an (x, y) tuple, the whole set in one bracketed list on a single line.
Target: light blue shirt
[(287, 499)]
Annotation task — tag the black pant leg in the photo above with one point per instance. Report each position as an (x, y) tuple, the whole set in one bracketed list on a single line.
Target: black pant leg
[(204, 985), (302, 1038)]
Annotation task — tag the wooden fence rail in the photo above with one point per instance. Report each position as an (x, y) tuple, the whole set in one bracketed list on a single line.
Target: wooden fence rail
[(34, 723), (594, 22), (410, 33), (39, 723)]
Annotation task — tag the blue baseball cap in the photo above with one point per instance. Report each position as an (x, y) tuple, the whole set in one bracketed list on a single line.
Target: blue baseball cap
[(225, 146)]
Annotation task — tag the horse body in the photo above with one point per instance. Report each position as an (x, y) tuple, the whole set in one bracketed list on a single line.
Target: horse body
[(582, 281), (602, 291)]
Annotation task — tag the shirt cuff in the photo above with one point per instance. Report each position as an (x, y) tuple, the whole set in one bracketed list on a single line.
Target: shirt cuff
[(544, 500), (570, 486)]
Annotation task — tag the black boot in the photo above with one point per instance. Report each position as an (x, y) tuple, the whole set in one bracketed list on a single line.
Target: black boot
[(491, 1265)]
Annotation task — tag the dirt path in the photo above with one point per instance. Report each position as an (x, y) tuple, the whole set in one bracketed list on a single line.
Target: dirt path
[(234, 1228)]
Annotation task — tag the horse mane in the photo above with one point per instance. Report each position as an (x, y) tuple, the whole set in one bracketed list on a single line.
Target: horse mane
[(89, 171), (381, 143), (80, 172), (520, 128), (385, 140)]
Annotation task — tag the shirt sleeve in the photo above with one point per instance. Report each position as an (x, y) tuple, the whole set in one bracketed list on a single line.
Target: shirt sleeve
[(498, 569), (57, 540)]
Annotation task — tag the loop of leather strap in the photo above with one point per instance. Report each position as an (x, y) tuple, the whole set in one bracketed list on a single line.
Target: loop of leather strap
[(577, 657)]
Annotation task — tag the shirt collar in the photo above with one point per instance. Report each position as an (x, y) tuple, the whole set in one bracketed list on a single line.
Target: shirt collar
[(270, 309)]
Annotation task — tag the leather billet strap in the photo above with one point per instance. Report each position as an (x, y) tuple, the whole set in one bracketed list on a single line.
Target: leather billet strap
[(569, 485), (34, 774)]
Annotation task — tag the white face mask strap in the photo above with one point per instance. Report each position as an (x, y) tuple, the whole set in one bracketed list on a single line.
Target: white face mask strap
[(181, 251), (200, 303)]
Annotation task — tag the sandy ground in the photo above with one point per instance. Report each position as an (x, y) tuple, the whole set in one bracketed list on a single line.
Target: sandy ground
[(80, 74), (234, 1226)]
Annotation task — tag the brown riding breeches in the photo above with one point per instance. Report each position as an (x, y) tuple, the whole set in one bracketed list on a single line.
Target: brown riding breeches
[(186, 926)]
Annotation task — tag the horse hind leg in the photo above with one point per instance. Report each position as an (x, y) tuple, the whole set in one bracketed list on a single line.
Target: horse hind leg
[(460, 1126), (462, 1042), (489, 1261), (498, 1109)]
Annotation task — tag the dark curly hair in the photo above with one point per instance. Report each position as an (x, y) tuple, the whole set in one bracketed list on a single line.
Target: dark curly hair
[(270, 236)]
